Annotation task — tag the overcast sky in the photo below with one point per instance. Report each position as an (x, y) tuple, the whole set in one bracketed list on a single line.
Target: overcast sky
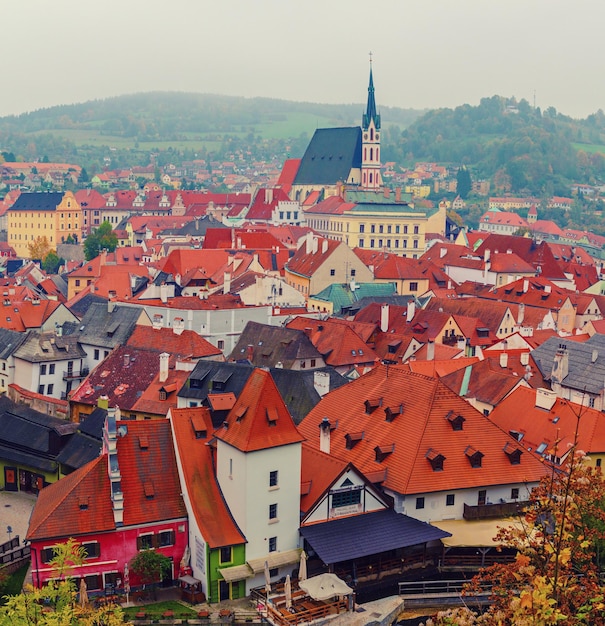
[(426, 53)]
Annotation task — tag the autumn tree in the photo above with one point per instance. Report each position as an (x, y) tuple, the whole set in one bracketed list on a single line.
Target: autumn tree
[(39, 248), (56, 603), (463, 183), (555, 578)]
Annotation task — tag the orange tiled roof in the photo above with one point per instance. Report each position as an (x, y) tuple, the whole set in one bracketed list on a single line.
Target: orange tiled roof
[(186, 344), (208, 506), (318, 473), (403, 417), (306, 264), (259, 419), (151, 402)]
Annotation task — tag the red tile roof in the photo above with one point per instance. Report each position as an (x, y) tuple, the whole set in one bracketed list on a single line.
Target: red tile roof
[(57, 512), (397, 447), (208, 506), (318, 473), (259, 419), (307, 264), (187, 344), (155, 464), (288, 174)]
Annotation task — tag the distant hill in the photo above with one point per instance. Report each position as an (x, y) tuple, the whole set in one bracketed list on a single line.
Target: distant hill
[(186, 124), (517, 147), (510, 142)]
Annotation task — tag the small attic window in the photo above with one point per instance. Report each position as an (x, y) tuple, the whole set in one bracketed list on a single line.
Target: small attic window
[(272, 416), (482, 332), (199, 427), (457, 421), (143, 442), (352, 439), (163, 394), (149, 490), (391, 412), (435, 459), (372, 404), (240, 412), (474, 456), (513, 453), (353, 353), (83, 503), (382, 452), (541, 448)]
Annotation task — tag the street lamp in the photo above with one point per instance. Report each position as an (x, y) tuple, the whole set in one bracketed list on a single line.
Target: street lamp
[(9, 530)]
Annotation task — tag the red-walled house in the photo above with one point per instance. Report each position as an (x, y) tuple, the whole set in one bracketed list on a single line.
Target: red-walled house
[(126, 500)]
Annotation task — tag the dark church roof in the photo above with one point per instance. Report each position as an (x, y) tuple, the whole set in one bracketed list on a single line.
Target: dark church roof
[(330, 156)]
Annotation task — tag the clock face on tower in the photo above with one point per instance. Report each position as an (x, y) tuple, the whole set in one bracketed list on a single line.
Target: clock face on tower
[(365, 135), (377, 136)]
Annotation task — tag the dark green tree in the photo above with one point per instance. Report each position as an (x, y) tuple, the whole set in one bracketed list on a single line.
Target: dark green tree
[(463, 183), (51, 262), (150, 566), (102, 238)]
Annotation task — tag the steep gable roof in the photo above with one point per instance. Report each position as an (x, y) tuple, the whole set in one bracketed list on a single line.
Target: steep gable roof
[(394, 450), (259, 419), (108, 325), (307, 263), (329, 157), (186, 344), (58, 512), (192, 429)]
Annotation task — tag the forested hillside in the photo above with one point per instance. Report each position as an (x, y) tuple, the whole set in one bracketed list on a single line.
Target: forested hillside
[(537, 151)]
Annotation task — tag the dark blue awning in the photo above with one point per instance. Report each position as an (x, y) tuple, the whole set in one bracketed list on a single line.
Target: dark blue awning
[(371, 533)]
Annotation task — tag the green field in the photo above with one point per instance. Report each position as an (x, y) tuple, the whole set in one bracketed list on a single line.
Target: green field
[(591, 148)]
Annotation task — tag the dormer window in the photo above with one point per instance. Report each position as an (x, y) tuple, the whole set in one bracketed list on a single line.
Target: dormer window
[(272, 416), (352, 439), (372, 404), (240, 411), (456, 421), (513, 453), (435, 459), (382, 452), (143, 442), (149, 490), (474, 456), (391, 412)]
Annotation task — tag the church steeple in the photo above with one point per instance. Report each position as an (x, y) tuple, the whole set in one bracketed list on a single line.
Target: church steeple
[(370, 143), (370, 113)]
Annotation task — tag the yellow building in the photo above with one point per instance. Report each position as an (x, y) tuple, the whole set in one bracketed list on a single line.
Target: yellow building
[(371, 220), (54, 215)]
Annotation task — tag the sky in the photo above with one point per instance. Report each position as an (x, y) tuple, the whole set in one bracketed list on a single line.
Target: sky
[(426, 53)]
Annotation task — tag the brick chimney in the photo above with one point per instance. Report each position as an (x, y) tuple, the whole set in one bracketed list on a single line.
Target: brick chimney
[(164, 359)]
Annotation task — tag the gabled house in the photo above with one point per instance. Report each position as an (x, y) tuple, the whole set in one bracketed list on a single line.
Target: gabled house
[(319, 262), (547, 424), (217, 545), (126, 500), (262, 345), (575, 370), (10, 340), (258, 455), (427, 448), (49, 364)]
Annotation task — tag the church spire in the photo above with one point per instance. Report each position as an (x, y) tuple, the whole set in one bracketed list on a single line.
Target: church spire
[(370, 113)]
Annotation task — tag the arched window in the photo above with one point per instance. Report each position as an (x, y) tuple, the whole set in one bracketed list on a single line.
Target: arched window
[(371, 134), (371, 154)]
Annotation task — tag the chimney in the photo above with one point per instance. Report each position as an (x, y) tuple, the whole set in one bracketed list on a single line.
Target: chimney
[(321, 382), (164, 359), (595, 356), (324, 435), (560, 366), (430, 350), (521, 314), (442, 252), (226, 282), (487, 255), (250, 352), (324, 246), (164, 293), (268, 196), (103, 255), (504, 360), (111, 305), (387, 192), (315, 244), (545, 399), (547, 288), (178, 326), (524, 358), (525, 285), (398, 194), (411, 310), (384, 318), (126, 360), (309, 242)]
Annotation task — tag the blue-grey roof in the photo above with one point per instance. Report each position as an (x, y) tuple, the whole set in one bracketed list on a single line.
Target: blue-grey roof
[(330, 156), (101, 327), (363, 535), (10, 340), (38, 201), (586, 362)]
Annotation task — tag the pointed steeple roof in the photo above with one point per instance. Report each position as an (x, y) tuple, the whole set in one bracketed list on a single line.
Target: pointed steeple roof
[(259, 419), (370, 113)]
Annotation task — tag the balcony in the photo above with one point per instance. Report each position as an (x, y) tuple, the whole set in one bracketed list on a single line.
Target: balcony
[(489, 511), (75, 374), (451, 340)]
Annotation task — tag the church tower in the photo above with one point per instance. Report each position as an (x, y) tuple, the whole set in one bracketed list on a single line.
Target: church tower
[(370, 143)]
